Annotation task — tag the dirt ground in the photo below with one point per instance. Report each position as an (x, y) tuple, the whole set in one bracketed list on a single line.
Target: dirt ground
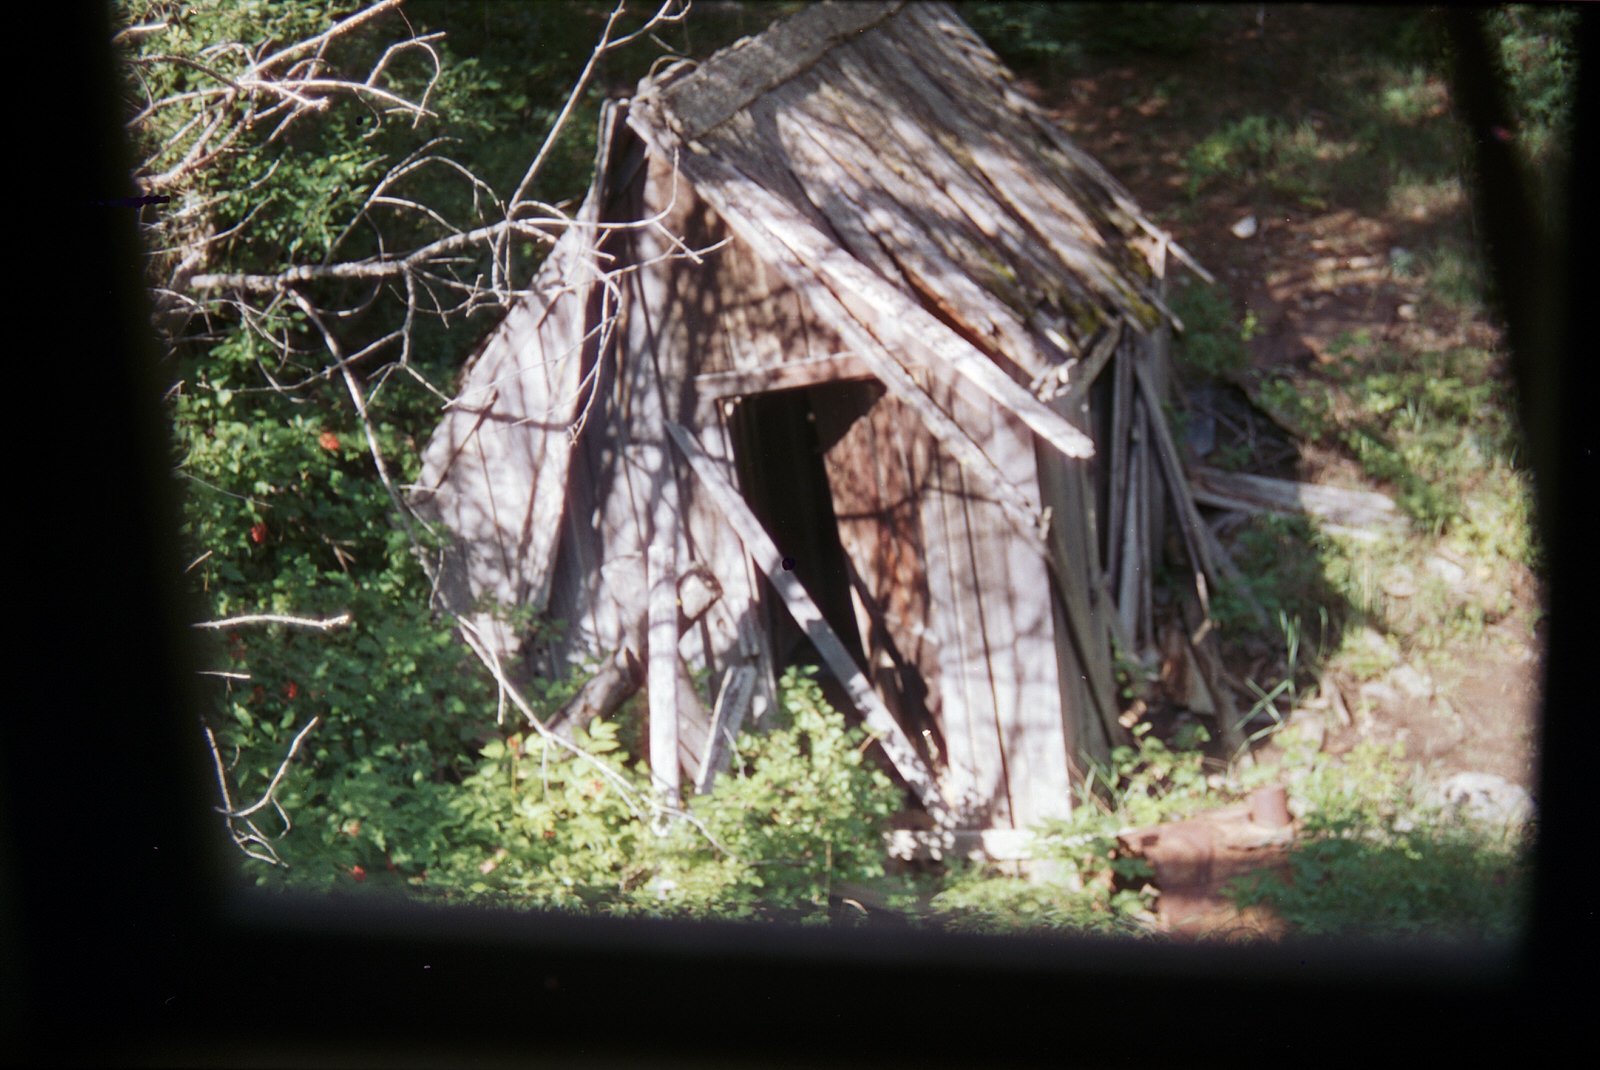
[(1310, 274)]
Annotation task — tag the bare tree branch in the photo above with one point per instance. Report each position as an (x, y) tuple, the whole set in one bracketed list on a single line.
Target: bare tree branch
[(325, 624)]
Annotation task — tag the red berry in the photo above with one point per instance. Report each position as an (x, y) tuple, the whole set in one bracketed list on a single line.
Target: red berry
[(258, 534), (358, 873), (291, 689), (329, 441)]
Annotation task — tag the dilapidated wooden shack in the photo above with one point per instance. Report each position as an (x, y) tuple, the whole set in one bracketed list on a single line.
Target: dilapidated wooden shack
[(851, 356)]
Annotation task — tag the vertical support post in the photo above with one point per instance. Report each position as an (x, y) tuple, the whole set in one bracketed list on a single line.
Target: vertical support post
[(662, 639)]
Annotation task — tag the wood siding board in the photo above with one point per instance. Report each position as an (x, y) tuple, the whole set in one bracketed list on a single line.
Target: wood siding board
[(1003, 598), (879, 530), (968, 791), (1090, 722), (496, 479), (740, 635), (733, 701)]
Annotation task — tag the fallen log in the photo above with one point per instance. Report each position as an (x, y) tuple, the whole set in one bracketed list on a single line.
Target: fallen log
[(1263, 494)]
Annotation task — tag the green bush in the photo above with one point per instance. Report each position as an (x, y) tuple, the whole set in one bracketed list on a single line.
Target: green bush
[(1213, 338), (536, 825)]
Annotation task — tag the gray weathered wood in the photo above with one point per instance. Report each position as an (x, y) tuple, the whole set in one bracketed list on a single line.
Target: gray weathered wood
[(794, 373), (663, 672), (731, 79), (902, 755), (738, 687), (618, 679), (1354, 508)]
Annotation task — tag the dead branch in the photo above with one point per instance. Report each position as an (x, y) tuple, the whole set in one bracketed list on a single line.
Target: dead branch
[(249, 838), (260, 93), (324, 624)]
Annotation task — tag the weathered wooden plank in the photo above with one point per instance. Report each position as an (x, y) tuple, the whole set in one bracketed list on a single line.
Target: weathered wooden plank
[(923, 176), (662, 666), (738, 633), (846, 179), (738, 688), (1084, 657), (731, 79), (1355, 508), (986, 134), (618, 679), (974, 780), (759, 545), (807, 371), (694, 726)]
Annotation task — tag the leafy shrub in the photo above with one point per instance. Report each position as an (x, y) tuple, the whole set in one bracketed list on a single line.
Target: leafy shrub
[(1538, 56), (1213, 338), (536, 825)]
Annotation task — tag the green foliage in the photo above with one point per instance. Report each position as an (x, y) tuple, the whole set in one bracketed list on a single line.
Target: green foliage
[(1289, 160), (1213, 338), (1144, 784), (537, 825), (1433, 425), (975, 901), (1538, 57), (807, 807), (1374, 863)]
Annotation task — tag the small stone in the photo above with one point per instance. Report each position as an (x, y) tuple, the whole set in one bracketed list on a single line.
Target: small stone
[(1484, 798), (1378, 691), (1245, 228), (1446, 570), (1407, 312), (1412, 682)]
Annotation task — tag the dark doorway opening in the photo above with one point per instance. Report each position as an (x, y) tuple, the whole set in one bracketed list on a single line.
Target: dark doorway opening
[(781, 474)]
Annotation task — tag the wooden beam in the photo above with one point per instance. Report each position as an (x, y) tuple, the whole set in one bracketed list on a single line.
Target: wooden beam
[(758, 544), (738, 687), (793, 373), (1252, 493), (729, 81), (662, 667), (619, 678), (1086, 371)]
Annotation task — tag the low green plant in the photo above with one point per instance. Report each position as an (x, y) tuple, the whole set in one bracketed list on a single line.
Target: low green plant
[(1288, 160), (538, 825), (1372, 861), (1213, 339)]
